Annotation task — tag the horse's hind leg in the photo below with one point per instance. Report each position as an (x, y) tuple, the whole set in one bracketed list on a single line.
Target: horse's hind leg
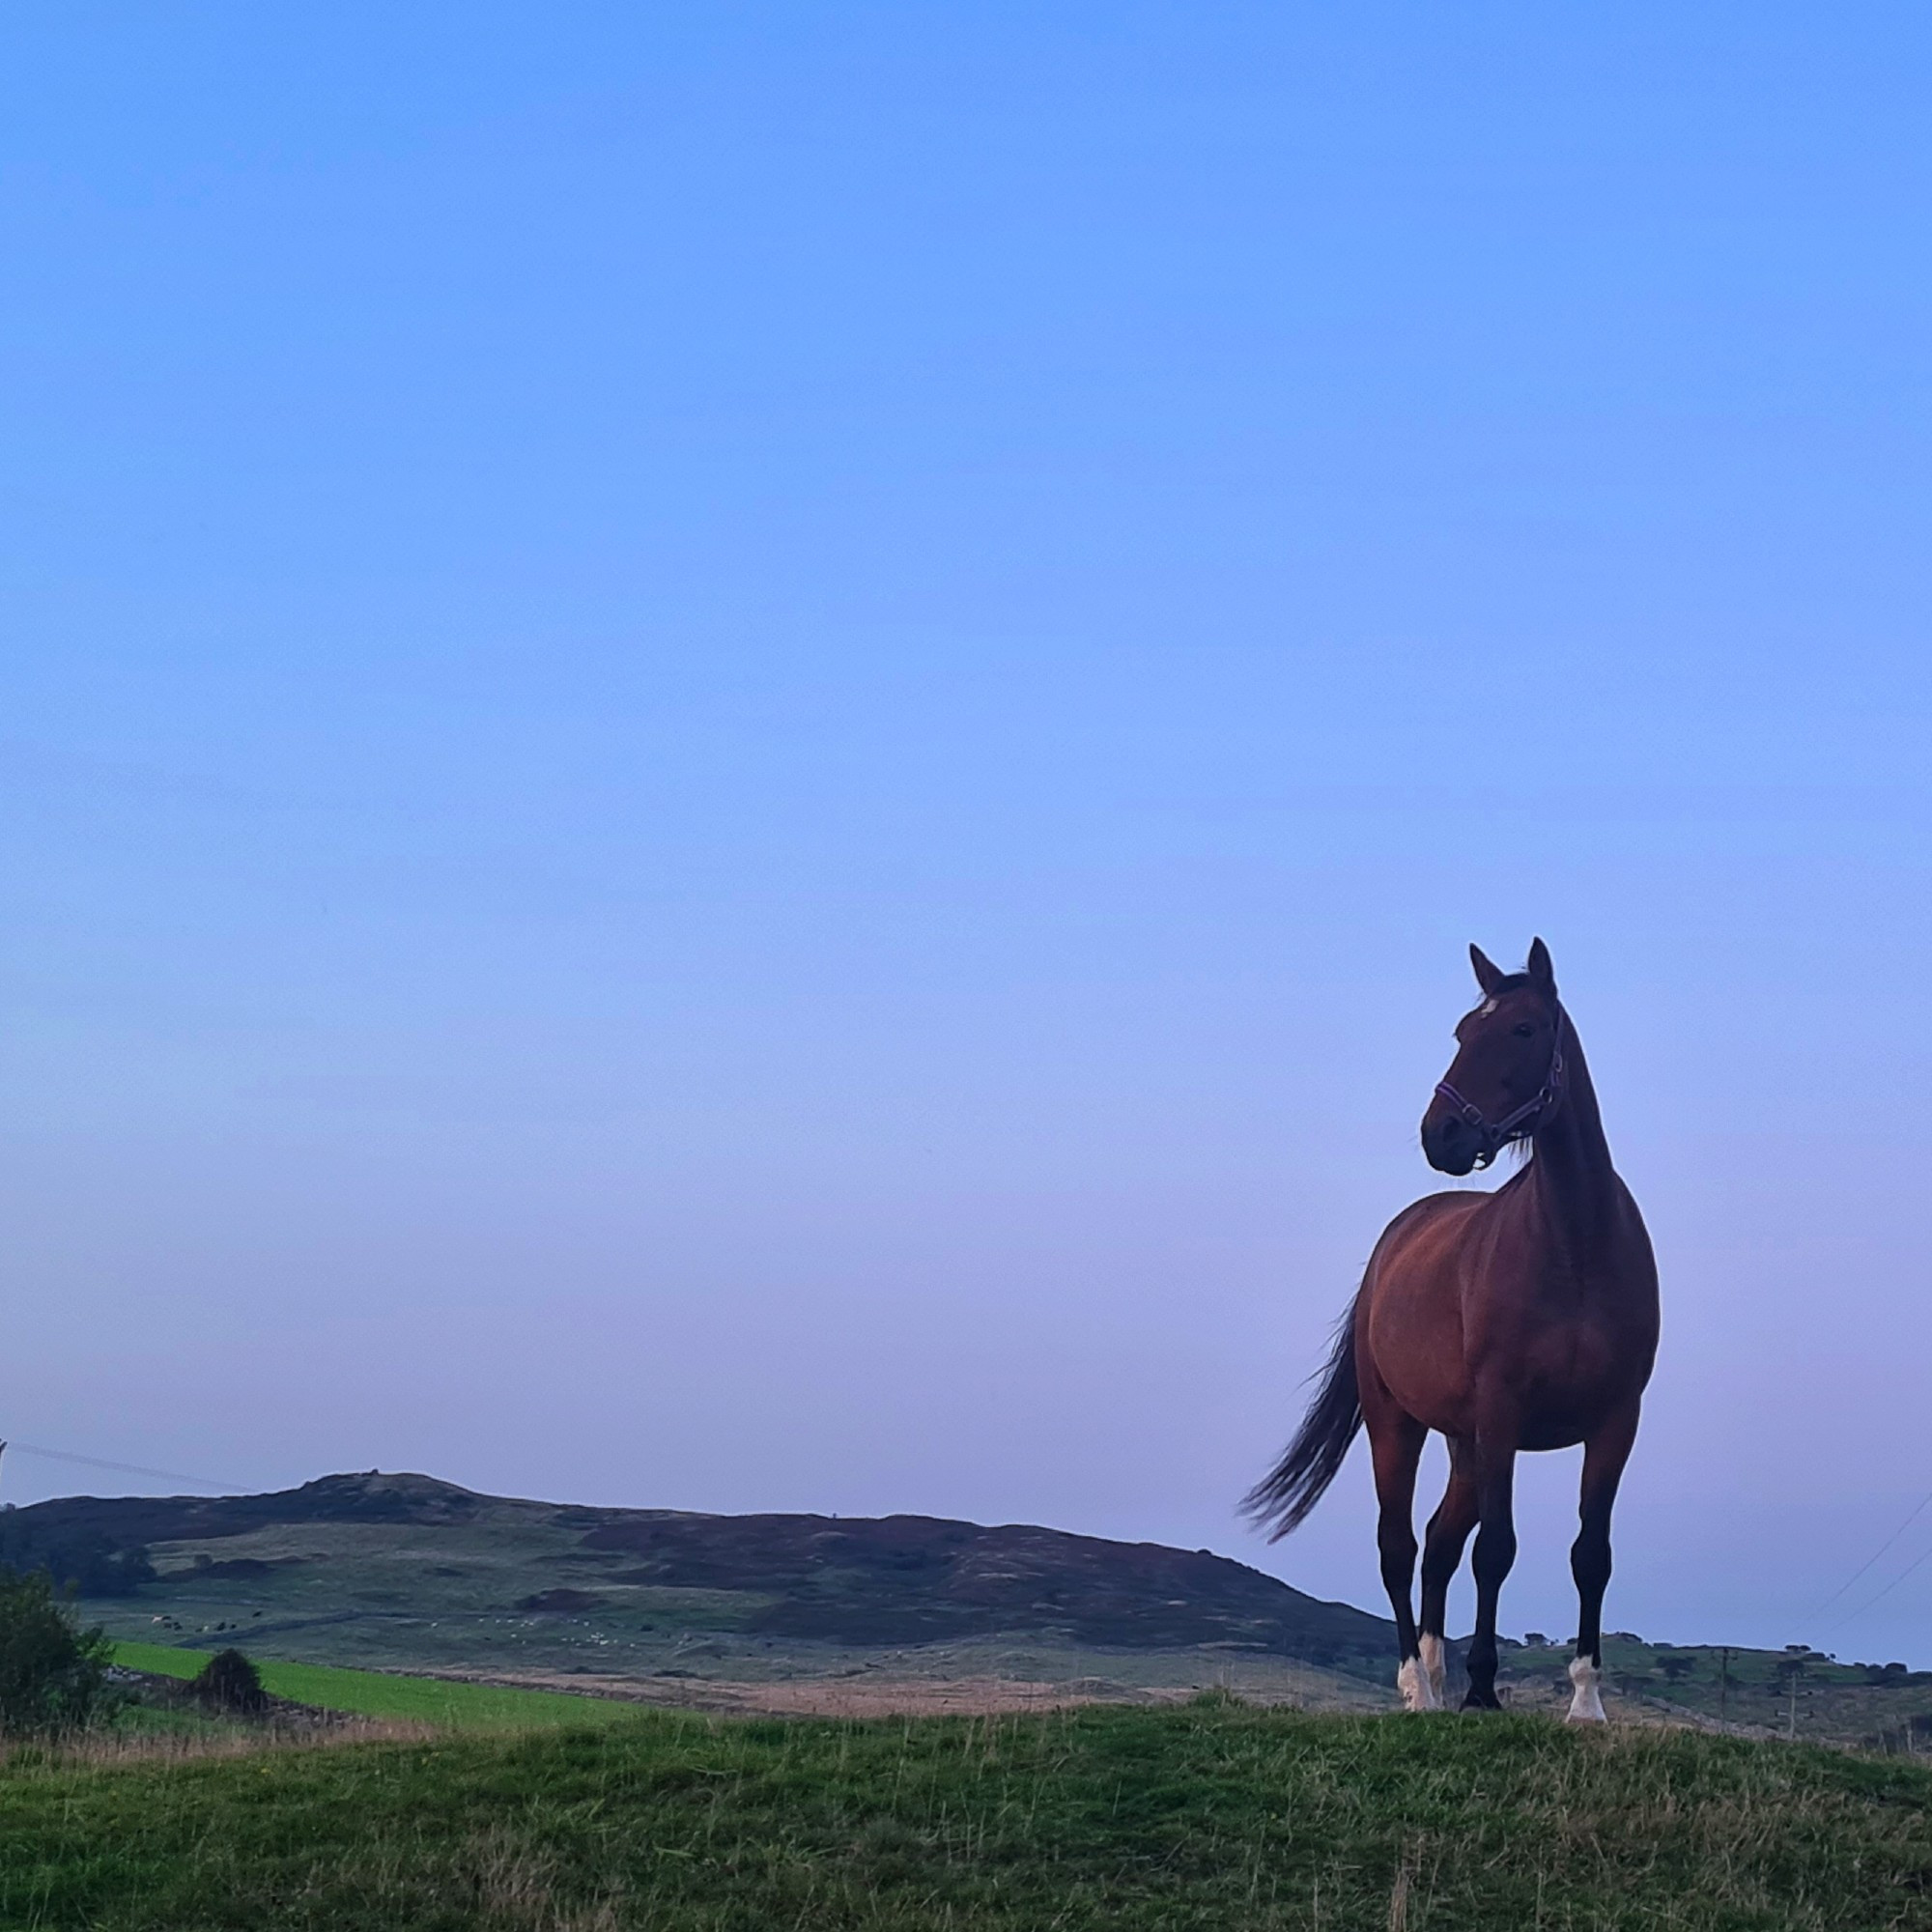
[(1441, 1551), (1395, 1441), (1605, 1455)]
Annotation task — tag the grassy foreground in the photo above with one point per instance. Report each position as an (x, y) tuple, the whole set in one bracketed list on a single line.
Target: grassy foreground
[(444, 1702), (1204, 1816)]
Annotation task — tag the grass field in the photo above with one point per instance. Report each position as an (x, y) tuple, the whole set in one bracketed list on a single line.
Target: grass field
[(1210, 1815), (371, 1694)]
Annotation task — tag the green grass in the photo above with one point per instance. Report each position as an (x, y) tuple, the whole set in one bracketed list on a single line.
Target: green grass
[(373, 1693), (1206, 1816)]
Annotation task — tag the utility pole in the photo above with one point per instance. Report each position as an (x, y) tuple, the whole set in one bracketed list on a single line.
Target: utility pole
[(1723, 1682)]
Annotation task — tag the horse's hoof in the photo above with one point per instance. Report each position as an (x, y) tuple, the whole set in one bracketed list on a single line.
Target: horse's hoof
[(1586, 1704), (1482, 1700), (1417, 1693)]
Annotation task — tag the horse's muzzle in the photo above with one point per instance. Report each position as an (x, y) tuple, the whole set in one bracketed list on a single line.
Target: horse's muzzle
[(1451, 1146)]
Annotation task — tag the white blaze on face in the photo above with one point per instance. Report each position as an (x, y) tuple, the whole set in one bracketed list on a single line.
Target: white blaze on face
[(1586, 1705), (1486, 1010)]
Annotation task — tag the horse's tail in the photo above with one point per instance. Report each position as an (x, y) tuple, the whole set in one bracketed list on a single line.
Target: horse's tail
[(1282, 1499)]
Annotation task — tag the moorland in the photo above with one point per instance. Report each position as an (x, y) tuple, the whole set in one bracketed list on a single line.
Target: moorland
[(409, 1574)]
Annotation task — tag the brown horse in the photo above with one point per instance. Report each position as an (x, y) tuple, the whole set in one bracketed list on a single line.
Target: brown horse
[(1525, 1319)]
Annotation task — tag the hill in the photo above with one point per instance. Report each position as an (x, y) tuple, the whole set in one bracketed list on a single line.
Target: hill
[(776, 1611), (1210, 1815), (410, 1571)]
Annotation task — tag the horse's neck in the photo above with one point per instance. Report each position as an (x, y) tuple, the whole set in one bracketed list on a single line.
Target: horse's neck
[(1572, 1173)]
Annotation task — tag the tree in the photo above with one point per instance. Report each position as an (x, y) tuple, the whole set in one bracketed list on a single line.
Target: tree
[(87, 1561), (229, 1682), (52, 1673)]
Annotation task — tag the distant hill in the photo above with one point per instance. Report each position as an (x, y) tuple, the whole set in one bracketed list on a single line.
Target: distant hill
[(409, 1548), (404, 1572)]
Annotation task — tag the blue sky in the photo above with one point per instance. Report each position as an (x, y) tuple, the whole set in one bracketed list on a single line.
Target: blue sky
[(744, 752)]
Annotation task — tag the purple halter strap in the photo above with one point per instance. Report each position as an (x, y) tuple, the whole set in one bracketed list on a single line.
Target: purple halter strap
[(1497, 1134)]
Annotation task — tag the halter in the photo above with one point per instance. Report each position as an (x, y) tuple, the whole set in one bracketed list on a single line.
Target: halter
[(1497, 1134)]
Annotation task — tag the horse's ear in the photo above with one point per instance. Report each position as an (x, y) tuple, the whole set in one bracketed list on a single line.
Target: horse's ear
[(1489, 975), (1542, 973)]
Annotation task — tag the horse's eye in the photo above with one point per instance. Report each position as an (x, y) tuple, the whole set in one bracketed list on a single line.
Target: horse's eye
[(1526, 1031)]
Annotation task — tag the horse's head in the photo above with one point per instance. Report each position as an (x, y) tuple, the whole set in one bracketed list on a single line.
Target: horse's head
[(1508, 1070)]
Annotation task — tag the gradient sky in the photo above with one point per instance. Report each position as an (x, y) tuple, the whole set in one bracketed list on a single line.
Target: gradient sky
[(745, 751)]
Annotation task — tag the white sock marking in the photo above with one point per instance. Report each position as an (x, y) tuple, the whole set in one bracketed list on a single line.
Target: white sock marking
[(1434, 1668), (1417, 1693), (1586, 1706)]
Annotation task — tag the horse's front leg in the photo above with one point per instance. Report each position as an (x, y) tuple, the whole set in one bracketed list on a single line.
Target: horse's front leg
[(1605, 1455), (1496, 1553)]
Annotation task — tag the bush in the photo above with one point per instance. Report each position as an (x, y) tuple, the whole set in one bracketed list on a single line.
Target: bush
[(229, 1682), (52, 1673)]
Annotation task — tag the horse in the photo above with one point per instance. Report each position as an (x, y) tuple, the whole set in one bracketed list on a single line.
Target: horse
[(1521, 1319)]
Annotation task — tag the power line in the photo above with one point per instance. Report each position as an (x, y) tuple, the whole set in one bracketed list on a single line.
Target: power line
[(124, 1469), (1925, 1556), (1916, 1509)]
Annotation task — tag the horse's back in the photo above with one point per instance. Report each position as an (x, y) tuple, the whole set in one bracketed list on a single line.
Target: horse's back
[(1425, 1234), (1449, 1303), (1408, 1333)]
